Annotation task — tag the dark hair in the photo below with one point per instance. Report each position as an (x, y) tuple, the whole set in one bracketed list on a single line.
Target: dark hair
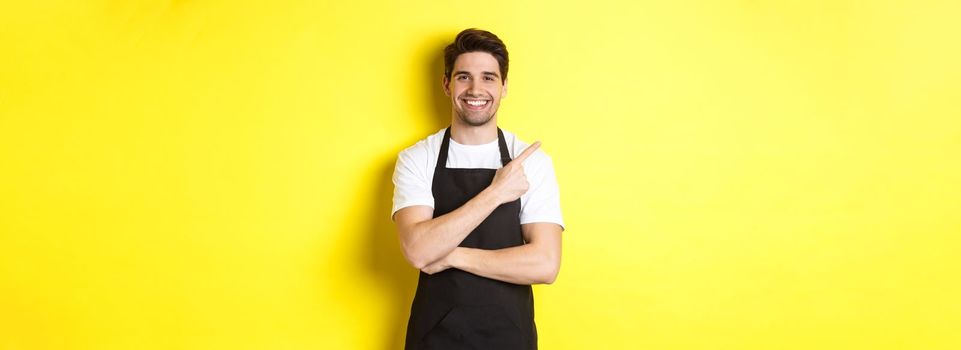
[(473, 40)]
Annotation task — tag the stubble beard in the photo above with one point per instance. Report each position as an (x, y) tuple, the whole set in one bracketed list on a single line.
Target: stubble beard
[(475, 119)]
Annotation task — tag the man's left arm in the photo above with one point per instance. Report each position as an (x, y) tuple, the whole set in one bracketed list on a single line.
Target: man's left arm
[(536, 262)]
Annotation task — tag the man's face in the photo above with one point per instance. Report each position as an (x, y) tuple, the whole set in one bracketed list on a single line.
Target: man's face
[(475, 87)]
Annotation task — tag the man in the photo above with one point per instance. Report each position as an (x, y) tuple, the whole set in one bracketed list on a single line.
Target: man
[(478, 212)]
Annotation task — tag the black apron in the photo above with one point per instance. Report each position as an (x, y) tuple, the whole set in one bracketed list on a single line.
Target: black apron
[(454, 309)]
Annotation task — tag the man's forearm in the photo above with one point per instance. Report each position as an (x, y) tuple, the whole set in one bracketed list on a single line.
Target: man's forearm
[(524, 264), (434, 239)]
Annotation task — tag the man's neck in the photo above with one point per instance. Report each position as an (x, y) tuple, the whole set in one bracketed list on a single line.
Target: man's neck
[(466, 134)]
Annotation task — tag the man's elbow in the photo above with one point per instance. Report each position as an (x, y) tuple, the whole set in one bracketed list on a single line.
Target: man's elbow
[(409, 247), (420, 257), (549, 277), (417, 260), (549, 271), (416, 263)]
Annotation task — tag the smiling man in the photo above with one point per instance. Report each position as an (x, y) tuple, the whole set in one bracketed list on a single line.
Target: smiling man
[(478, 213)]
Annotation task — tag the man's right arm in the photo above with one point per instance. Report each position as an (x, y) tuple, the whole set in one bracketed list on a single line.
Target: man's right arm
[(425, 239)]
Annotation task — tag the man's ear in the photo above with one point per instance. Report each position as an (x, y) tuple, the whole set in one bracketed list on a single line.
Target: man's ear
[(504, 90), (446, 83)]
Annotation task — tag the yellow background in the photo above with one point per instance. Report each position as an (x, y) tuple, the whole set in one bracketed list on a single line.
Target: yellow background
[(734, 174)]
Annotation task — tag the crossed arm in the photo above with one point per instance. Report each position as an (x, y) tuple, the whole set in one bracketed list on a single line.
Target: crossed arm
[(538, 261), (431, 244)]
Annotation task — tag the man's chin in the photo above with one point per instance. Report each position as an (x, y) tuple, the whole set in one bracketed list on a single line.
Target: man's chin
[(476, 120)]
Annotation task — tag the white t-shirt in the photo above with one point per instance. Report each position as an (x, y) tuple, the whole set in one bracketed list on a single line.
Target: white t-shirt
[(414, 174)]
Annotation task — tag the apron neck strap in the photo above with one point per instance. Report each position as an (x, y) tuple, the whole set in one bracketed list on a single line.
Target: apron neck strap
[(445, 147), (502, 144)]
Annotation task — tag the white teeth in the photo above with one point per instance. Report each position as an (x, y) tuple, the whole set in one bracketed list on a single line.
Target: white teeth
[(476, 103)]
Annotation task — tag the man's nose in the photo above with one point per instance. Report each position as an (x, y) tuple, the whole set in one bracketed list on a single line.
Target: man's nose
[(472, 86)]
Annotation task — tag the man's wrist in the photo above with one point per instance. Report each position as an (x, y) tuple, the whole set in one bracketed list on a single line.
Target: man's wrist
[(458, 258), (489, 196)]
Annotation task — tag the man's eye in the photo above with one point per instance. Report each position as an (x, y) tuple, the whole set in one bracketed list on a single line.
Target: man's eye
[(489, 78), (461, 77)]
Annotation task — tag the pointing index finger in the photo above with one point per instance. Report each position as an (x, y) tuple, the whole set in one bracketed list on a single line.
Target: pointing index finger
[(527, 152)]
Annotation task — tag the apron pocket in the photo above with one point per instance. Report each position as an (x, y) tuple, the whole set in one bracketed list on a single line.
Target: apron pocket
[(475, 326)]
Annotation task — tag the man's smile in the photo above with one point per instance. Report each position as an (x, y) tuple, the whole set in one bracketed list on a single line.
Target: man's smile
[(476, 104)]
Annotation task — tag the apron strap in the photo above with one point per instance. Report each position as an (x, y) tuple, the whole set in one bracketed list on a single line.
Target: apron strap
[(445, 147), (502, 144)]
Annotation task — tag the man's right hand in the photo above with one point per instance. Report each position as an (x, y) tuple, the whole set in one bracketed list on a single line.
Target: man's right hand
[(509, 182)]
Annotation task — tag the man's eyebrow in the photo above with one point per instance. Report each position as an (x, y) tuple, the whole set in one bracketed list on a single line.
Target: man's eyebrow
[(468, 73)]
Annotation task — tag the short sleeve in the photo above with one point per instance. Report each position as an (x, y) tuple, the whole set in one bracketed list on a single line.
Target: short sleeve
[(542, 202), (412, 186)]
